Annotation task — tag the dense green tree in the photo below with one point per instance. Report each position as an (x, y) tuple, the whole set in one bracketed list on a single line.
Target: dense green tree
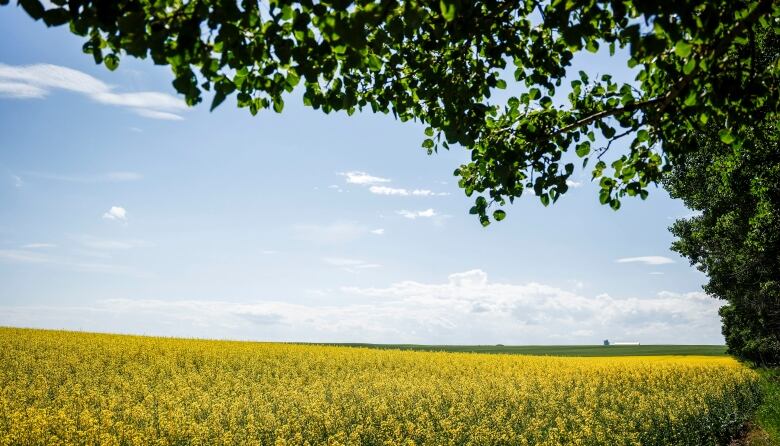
[(439, 61), (736, 238)]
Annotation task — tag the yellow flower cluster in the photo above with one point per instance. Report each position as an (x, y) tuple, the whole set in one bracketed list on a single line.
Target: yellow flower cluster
[(74, 388)]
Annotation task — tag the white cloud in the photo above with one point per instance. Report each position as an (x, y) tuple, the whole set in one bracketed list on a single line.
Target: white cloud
[(17, 181), (428, 213), (22, 256), (19, 90), (357, 177), (116, 213), (647, 260), (573, 184), (37, 81), (39, 245), (467, 308), (378, 231), (385, 190), (108, 177), (36, 257), (365, 179), (333, 233), (156, 114)]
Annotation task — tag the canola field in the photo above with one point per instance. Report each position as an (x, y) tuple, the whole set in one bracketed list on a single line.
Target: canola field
[(76, 388)]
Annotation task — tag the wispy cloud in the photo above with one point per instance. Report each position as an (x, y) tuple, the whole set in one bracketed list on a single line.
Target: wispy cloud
[(36, 257), (116, 213), (17, 181), (378, 231), (647, 260), (573, 184), (376, 187), (156, 114), (39, 245), (427, 213), (385, 190), (21, 91), (37, 81), (108, 177), (363, 178), (23, 256)]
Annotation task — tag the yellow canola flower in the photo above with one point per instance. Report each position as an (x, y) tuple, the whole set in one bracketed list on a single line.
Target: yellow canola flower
[(64, 388)]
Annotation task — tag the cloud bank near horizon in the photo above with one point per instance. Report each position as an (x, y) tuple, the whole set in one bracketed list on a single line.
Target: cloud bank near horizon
[(465, 309)]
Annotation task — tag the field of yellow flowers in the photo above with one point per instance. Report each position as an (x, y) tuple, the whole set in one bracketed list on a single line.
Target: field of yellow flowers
[(76, 388)]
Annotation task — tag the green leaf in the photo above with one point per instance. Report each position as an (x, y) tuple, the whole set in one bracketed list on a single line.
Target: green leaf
[(683, 48), (374, 62), (691, 99), (689, 66), (278, 105), (33, 7), (447, 8), (219, 97), (726, 136), (583, 149), (292, 79), (111, 61), (499, 215), (56, 17)]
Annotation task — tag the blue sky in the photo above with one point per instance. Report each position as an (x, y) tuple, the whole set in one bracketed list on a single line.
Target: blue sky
[(123, 211)]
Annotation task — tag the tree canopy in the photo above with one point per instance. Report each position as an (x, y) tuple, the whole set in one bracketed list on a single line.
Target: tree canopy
[(438, 62), (735, 239)]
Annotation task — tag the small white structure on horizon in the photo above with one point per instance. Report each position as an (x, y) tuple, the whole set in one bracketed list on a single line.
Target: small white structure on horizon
[(626, 343)]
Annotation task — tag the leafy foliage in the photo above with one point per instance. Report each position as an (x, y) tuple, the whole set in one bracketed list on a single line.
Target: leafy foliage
[(439, 61), (736, 239)]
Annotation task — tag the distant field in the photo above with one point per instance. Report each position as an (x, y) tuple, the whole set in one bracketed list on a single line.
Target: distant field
[(563, 350)]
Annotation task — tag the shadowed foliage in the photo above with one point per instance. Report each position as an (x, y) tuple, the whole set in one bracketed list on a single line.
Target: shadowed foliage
[(736, 238)]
